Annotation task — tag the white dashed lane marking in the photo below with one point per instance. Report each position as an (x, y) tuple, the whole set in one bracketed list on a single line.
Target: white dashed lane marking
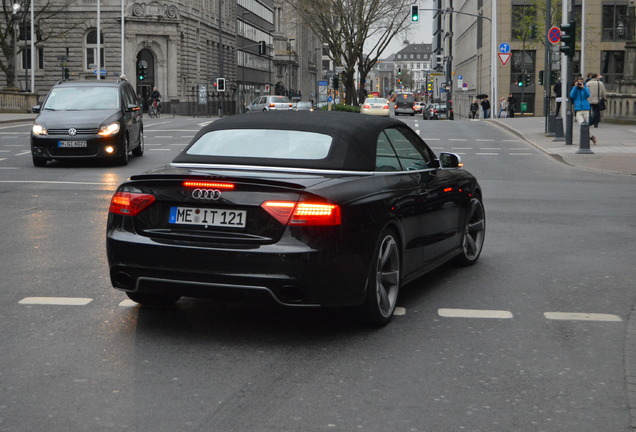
[(399, 311), (474, 313), (571, 316), (57, 301)]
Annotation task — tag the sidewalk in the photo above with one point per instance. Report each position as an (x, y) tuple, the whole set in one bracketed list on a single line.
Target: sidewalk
[(615, 150)]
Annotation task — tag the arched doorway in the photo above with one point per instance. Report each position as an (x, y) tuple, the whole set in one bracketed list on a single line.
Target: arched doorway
[(146, 76)]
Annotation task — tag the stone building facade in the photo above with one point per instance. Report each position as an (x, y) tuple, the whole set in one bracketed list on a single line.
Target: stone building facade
[(179, 46)]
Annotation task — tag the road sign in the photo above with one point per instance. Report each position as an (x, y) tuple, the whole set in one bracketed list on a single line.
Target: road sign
[(504, 48), (554, 35), (504, 57)]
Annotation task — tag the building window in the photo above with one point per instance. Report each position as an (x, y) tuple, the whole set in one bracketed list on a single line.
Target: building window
[(24, 47), (524, 18), (90, 48), (614, 21), (612, 63), (523, 63)]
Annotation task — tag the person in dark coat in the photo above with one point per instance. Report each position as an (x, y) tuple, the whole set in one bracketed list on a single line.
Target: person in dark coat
[(557, 92), (485, 106), (512, 105)]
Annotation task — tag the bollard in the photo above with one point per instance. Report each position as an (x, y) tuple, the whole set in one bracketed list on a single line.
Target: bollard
[(558, 130), (551, 125), (584, 139)]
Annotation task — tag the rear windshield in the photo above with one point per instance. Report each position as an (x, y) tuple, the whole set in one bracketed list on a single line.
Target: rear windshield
[(279, 99), (403, 97), (82, 99), (263, 143)]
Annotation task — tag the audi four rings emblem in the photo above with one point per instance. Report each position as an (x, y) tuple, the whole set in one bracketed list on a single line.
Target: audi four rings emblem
[(206, 194)]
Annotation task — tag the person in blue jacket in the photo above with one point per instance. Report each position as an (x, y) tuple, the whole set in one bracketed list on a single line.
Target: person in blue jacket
[(578, 96)]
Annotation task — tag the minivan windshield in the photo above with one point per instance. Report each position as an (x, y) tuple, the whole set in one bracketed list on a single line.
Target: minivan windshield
[(82, 98)]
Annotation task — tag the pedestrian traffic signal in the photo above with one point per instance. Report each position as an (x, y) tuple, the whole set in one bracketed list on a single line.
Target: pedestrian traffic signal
[(415, 13), (220, 84), (568, 39)]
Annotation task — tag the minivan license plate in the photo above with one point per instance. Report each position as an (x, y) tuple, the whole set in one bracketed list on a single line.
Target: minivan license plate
[(207, 216), (72, 144)]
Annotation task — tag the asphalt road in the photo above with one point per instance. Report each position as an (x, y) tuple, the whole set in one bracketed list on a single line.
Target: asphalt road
[(532, 338)]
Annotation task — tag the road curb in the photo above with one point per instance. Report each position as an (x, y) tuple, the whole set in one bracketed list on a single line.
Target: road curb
[(630, 365)]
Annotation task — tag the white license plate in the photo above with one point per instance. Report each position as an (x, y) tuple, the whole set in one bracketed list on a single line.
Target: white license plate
[(72, 144), (207, 217)]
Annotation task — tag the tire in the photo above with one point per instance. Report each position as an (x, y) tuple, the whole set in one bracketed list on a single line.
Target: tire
[(39, 162), (474, 233), (383, 284), (146, 299), (139, 150), (122, 159)]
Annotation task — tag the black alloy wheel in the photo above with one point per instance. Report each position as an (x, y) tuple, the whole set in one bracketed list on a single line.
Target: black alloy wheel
[(474, 232), (139, 150), (122, 159), (383, 285), (39, 162)]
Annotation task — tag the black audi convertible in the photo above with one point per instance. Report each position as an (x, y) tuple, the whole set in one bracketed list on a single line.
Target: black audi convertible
[(305, 208)]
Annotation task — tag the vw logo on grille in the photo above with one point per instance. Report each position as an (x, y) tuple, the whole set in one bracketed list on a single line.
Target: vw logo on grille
[(72, 131), (206, 194)]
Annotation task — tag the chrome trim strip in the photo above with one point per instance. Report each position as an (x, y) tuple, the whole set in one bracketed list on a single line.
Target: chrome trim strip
[(220, 285), (295, 170)]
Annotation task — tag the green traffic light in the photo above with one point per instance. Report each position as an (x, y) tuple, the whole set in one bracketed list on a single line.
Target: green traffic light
[(520, 84), (415, 13)]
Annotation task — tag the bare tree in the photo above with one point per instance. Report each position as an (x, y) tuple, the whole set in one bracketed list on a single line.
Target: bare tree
[(346, 25), (12, 24)]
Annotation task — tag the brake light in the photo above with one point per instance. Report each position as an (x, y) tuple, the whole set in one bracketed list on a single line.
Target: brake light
[(273, 105), (208, 184), (366, 106), (303, 213), (130, 204), (385, 107)]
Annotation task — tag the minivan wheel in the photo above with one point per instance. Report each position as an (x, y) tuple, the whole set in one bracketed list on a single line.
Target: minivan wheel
[(39, 162), (139, 150), (122, 159)]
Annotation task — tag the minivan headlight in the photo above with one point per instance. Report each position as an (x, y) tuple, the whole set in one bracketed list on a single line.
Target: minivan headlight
[(110, 129), (39, 130)]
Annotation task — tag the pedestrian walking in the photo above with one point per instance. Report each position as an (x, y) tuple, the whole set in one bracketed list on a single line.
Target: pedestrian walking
[(485, 106), (557, 91), (503, 108), (579, 95), (596, 99), (512, 105), (474, 107)]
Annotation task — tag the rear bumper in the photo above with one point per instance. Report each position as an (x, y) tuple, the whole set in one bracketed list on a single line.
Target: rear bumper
[(289, 272)]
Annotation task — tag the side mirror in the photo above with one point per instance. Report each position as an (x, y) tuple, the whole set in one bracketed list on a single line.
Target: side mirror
[(35, 109), (450, 160)]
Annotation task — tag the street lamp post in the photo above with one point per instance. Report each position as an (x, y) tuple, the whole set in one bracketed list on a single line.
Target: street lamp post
[(16, 9), (289, 65)]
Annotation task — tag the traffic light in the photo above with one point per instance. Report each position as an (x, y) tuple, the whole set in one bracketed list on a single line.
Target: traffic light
[(520, 81), (429, 86), (399, 71), (262, 48), (142, 71), (568, 39), (528, 80), (67, 74), (220, 84), (415, 13), (336, 82)]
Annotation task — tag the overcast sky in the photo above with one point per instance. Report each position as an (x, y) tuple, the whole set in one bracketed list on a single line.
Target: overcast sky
[(420, 32)]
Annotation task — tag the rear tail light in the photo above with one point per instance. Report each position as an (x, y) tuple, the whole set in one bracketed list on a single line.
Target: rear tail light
[(385, 107), (303, 213), (366, 106), (273, 105), (130, 204), (208, 184)]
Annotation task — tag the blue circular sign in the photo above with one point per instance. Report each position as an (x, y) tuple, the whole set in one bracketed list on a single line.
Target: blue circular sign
[(504, 48)]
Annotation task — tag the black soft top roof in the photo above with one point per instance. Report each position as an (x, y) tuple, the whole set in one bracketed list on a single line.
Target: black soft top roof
[(353, 147)]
